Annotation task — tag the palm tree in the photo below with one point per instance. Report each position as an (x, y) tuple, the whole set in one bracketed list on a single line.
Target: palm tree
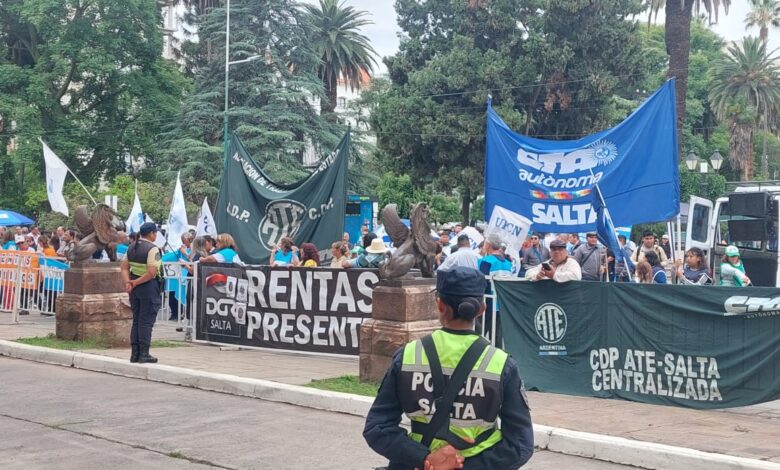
[(344, 52), (763, 13), (746, 86), (677, 35)]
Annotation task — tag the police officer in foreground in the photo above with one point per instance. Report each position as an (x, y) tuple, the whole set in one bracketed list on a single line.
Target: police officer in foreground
[(143, 281), (453, 385)]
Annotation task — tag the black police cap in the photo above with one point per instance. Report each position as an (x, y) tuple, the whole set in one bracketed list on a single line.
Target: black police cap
[(460, 281)]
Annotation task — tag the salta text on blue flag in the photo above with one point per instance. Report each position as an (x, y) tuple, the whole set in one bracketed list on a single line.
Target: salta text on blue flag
[(551, 182)]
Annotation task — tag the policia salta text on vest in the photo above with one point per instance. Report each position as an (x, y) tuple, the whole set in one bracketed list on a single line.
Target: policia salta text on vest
[(429, 398)]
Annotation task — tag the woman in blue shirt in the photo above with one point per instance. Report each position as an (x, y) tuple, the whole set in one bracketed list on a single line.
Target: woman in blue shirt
[(226, 251), (284, 254)]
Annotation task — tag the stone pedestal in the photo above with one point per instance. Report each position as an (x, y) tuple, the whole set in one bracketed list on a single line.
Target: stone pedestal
[(94, 305), (402, 310)]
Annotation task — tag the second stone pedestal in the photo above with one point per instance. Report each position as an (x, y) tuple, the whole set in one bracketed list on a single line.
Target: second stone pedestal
[(402, 310), (94, 305)]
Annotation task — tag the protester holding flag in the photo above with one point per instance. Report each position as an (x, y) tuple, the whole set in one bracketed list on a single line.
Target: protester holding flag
[(591, 258), (694, 271)]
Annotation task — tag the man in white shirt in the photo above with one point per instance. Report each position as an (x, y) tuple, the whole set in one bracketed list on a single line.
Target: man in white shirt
[(561, 267), (464, 256)]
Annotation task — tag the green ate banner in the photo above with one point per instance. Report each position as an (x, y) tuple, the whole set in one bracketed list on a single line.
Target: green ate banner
[(691, 346), (258, 213)]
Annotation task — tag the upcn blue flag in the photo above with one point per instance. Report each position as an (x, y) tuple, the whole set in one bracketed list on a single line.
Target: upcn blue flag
[(551, 182)]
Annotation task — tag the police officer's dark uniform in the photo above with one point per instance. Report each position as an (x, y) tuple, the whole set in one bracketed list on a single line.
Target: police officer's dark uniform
[(457, 371), (146, 297)]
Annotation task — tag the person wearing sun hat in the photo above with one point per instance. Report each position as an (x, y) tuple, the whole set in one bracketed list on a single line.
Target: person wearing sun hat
[(732, 271), (373, 256), (481, 417)]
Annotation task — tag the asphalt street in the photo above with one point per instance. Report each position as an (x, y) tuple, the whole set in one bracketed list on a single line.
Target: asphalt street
[(57, 417)]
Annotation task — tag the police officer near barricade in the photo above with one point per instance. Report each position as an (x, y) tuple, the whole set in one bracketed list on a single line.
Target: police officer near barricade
[(451, 429), (143, 281)]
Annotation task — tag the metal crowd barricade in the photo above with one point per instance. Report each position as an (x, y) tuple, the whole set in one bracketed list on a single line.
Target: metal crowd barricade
[(30, 283), (488, 326), (51, 284), (178, 296)]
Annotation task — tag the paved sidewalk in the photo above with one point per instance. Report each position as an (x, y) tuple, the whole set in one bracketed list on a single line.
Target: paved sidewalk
[(752, 432)]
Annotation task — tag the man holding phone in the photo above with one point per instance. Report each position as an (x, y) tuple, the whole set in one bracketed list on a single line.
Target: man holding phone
[(560, 268)]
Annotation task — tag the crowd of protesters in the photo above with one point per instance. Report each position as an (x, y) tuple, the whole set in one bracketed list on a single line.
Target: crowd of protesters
[(541, 256)]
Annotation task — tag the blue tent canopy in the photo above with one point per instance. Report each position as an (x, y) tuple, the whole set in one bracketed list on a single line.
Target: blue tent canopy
[(8, 218)]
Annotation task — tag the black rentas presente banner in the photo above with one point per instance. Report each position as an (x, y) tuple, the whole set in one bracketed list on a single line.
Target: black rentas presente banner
[(692, 346), (258, 213), (302, 309)]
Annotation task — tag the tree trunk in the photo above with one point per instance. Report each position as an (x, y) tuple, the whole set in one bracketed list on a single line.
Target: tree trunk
[(677, 36), (331, 92), (741, 146), (465, 206), (764, 158)]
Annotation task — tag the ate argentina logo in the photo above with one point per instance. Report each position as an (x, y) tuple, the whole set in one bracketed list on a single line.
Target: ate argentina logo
[(283, 218), (550, 322)]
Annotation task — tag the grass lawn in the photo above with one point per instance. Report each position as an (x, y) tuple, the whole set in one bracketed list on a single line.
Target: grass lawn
[(346, 384), (53, 342)]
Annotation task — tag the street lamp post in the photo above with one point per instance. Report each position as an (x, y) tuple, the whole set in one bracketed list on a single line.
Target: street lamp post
[(692, 161), (228, 63)]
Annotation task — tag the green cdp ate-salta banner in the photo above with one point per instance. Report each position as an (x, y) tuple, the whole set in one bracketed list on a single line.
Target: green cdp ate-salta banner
[(691, 346), (259, 213)]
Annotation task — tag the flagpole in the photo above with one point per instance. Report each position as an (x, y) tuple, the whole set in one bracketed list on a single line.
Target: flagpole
[(74, 176)]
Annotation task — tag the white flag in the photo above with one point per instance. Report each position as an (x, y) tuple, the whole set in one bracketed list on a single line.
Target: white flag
[(475, 238), (56, 171), (206, 224), (136, 219), (177, 218), (510, 226)]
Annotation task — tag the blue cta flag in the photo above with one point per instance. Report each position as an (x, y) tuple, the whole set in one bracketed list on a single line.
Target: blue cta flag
[(551, 182), (605, 229)]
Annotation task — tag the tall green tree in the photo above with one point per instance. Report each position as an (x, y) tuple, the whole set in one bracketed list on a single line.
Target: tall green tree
[(763, 14), (702, 131), (552, 68), (87, 76), (269, 98), (344, 53), (746, 86), (678, 43)]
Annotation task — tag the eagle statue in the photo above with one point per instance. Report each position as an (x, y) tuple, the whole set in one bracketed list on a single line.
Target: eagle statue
[(415, 246), (100, 231)]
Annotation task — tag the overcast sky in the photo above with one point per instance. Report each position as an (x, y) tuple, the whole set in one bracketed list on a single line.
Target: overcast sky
[(384, 32)]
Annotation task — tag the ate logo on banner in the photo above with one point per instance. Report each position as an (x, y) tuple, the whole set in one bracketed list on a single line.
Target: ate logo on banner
[(283, 218), (551, 323)]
